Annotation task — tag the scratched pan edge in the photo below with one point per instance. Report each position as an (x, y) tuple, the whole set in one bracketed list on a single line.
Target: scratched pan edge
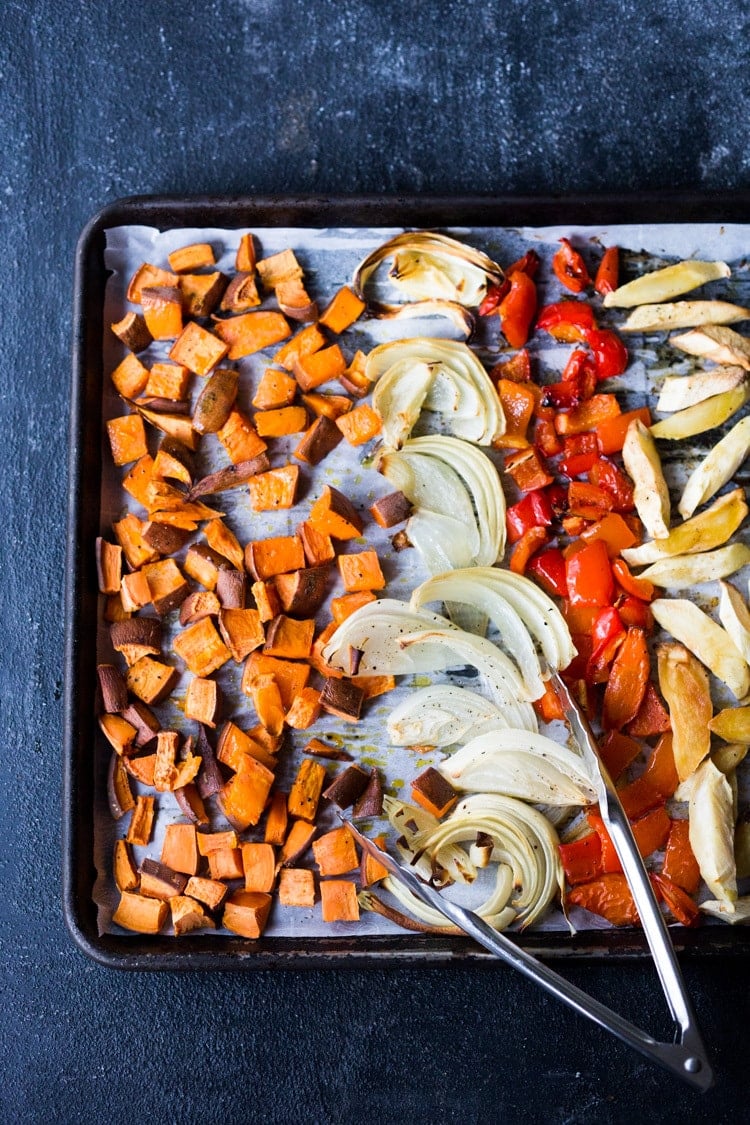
[(84, 471)]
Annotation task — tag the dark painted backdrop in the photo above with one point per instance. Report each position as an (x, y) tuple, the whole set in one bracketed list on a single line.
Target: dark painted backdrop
[(101, 100)]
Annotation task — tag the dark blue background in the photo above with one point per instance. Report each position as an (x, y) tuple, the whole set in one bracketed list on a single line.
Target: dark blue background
[(101, 100)]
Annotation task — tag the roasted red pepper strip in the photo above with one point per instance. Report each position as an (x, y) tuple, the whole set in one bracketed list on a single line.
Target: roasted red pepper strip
[(609, 897), (590, 415), (610, 354), (638, 587), (527, 470), (589, 576), (626, 686), (615, 533), (570, 268), (635, 612), (611, 431), (657, 782), (680, 904), (588, 500), (548, 567), (607, 475), (528, 265), (567, 321), (608, 271), (577, 383), (535, 510), (581, 859), (529, 543), (610, 859), (518, 401), (618, 751), (680, 865), (649, 831), (517, 368), (607, 635), (517, 309), (546, 438), (652, 718)]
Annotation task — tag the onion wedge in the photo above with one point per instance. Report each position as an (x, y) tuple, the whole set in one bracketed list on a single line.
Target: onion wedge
[(703, 532), (441, 715), (521, 764), (536, 610), (443, 376), (666, 283), (718, 467), (705, 639), (682, 314), (374, 630)]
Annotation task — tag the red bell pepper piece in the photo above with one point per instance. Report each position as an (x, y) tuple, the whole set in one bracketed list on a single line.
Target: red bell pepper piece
[(588, 500), (548, 567), (608, 896), (567, 321), (607, 273), (608, 476), (546, 438), (570, 268), (637, 587), (529, 543), (557, 494), (590, 415), (614, 531), (589, 576), (635, 612), (580, 451), (610, 354), (611, 431), (517, 309), (548, 707), (534, 510), (518, 401), (577, 383), (610, 858), (607, 635), (496, 293), (657, 782), (517, 368), (680, 865), (527, 470), (652, 718), (581, 859), (650, 833), (626, 686), (617, 751), (680, 904), (528, 264), (580, 618)]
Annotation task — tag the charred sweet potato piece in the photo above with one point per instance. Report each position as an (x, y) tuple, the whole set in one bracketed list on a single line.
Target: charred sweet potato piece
[(198, 349), (216, 400), (240, 438), (148, 275), (252, 332), (112, 688), (160, 881), (193, 257), (323, 750), (361, 572), (127, 438), (132, 331), (333, 514), (275, 390), (296, 887), (301, 592), (276, 489), (305, 343), (191, 804), (306, 790), (201, 647), (140, 914), (433, 792), (201, 292), (162, 311), (338, 899), (246, 913), (289, 638), (259, 864), (370, 801), (346, 788), (391, 510), (230, 477), (318, 441), (342, 698), (265, 558), (360, 425), (319, 367), (342, 310)]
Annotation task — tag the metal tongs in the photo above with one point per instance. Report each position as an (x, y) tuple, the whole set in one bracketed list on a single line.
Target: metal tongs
[(686, 1057)]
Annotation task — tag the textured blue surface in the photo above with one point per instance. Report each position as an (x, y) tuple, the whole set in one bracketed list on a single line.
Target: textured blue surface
[(98, 101)]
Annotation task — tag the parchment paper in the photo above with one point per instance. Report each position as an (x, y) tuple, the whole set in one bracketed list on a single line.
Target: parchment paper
[(329, 258)]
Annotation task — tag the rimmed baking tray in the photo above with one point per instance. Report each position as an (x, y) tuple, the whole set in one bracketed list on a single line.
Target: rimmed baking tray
[(79, 874)]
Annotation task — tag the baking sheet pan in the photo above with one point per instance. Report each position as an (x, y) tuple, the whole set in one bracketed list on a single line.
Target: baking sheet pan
[(88, 389)]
